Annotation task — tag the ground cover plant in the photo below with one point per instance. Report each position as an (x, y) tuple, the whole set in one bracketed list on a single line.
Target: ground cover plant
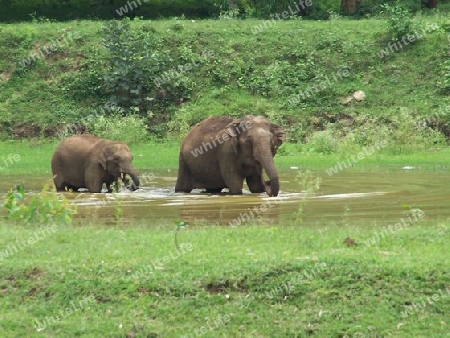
[(261, 281), (187, 70)]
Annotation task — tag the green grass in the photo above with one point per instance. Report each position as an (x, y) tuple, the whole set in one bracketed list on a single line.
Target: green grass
[(292, 55), (35, 157), (270, 281)]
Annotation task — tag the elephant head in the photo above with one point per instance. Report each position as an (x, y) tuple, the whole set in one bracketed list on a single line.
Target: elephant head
[(255, 139), (115, 158)]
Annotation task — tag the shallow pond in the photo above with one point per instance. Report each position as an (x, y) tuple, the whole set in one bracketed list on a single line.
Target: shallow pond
[(371, 195)]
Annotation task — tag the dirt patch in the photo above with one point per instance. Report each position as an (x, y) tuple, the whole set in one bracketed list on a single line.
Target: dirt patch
[(11, 278), (35, 273), (32, 292), (225, 286), (143, 291), (26, 130), (32, 130), (349, 241)]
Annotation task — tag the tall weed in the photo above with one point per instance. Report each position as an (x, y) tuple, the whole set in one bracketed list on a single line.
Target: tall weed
[(47, 207)]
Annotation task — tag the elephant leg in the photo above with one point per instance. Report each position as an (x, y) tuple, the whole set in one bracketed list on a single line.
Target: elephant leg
[(184, 181), (233, 182), (108, 187), (72, 187), (213, 191), (255, 183), (60, 187), (58, 180), (116, 186), (236, 187), (94, 179), (230, 175), (95, 185)]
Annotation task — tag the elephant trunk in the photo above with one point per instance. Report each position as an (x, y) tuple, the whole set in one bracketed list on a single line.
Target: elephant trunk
[(134, 176), (268, 165)]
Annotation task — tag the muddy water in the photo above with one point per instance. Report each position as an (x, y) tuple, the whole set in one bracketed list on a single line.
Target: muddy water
[(380, 195)]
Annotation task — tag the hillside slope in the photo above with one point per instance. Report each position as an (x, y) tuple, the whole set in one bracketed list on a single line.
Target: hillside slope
[(236, 67)]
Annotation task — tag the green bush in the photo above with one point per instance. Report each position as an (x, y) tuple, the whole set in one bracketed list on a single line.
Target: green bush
[(135, 59), (43, 208), (324, 142), (402, 132), (81, 86), (400, 22), (129, 128)]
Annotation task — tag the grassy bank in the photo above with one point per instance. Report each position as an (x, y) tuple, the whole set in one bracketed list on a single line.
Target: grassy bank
[(34, 158), (247, 281), (404, 90)]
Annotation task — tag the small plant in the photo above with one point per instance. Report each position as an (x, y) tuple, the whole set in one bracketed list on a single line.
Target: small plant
[(118, 211), (40, 19), (178, 27), (400, 22), (179, 226), (332, 16), (444, 85), (309, 186), (43, 208)]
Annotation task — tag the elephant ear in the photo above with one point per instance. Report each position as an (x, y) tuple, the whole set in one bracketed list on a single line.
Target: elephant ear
[(104, 156), (231, 130), (279, 133)]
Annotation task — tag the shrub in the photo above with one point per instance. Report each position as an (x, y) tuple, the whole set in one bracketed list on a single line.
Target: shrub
[(129, 128), (43, 208), (400, 22), (134, 58), (323, 141)]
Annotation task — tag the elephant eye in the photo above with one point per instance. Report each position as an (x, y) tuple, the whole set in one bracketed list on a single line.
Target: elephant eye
[(116, 158)]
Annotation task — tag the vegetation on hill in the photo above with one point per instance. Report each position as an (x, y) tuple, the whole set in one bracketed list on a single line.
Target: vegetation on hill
[(59, 78)]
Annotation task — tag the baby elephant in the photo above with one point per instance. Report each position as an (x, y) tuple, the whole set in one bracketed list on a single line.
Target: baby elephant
[(86, 161)]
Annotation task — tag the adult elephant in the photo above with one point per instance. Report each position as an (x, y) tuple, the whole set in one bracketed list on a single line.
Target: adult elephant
[(221, 152), (86, 161)]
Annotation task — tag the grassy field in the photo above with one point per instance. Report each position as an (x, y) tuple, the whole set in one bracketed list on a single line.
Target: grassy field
[(34, 158), (223, 282)]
